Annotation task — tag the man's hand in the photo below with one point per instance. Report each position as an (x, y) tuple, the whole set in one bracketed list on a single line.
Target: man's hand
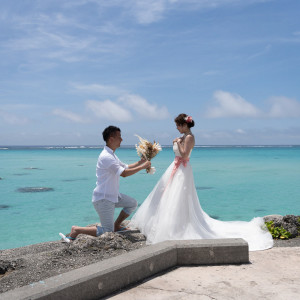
[(146, 164), (142, 160)]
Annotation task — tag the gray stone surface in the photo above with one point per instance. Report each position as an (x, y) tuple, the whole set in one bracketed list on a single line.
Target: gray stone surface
[(199, 252), (272, 274), (287, 243), (103, 278)]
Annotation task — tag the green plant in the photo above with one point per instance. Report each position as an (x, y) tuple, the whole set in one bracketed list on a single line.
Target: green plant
[(277, 232)]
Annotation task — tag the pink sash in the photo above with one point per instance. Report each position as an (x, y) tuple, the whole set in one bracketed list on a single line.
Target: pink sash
[(177, 162)]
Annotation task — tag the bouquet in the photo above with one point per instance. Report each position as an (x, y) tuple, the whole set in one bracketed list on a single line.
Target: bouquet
[(147, 150)]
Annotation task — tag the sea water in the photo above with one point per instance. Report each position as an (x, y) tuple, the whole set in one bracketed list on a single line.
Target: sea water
[(46, 190)]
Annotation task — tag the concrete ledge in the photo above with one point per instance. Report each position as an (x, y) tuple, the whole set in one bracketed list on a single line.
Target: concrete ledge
[(103, 278), (209, 252)]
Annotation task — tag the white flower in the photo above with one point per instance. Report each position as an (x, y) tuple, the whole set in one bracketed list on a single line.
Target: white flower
[(152, 170)]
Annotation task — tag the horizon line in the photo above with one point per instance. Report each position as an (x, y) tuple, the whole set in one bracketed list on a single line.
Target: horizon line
[(165, 145)]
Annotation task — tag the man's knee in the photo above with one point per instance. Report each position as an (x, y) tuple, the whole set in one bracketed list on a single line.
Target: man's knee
[(135, 204), (131, 207), (132, 203)]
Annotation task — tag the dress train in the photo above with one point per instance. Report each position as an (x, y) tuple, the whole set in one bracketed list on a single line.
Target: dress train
[(172, 211)]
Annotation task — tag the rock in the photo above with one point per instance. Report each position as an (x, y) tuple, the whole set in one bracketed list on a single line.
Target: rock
[(277, 219), (4, 206), (289, 222), (6, 266), (107, 241), (33, 263)]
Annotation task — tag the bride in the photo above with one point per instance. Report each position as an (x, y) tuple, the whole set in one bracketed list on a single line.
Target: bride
[(172, 210)]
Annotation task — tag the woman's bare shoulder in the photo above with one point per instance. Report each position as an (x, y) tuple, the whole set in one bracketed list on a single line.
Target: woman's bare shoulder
[(190, 137)]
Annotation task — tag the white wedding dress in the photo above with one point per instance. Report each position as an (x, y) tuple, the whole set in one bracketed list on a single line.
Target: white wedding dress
[(172, 211)]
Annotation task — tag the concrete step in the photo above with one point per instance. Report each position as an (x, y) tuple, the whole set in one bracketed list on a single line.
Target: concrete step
[(103, 278)]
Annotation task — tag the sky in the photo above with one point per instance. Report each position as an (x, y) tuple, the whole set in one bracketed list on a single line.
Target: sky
[(70, 68)]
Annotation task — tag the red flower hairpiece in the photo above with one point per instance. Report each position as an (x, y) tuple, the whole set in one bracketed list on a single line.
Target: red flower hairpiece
[(188, 119)]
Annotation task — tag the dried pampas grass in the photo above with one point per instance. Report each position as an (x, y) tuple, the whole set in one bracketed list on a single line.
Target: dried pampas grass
[(147, 150)]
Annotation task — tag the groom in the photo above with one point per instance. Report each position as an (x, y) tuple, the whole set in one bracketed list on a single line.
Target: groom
[(106, 195)]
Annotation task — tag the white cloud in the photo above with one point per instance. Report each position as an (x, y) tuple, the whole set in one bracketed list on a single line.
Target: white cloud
[(260, 136), (120, 110), (147, 12), (13, 119), (144, 11), (68, 115), (57, 37), (144, 108), (212, 73), (240, 131), (150, 11), (46, 38), (132, 102), (52, 45), (98, 89), (260, 53), (231, 105), (109, 110), (282, 107)]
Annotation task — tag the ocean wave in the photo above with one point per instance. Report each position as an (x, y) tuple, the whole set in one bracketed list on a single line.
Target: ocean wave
[(74, 147)]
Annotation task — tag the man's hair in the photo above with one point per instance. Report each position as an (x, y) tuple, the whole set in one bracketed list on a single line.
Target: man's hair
[(109, 131)]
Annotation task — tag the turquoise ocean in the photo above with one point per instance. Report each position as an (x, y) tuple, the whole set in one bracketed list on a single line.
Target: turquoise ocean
[(46, 190)]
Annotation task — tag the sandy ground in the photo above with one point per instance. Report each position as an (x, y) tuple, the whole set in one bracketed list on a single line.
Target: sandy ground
[(271, 274)]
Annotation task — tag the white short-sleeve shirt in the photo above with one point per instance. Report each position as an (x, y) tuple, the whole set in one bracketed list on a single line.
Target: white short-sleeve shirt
[(108, 171)]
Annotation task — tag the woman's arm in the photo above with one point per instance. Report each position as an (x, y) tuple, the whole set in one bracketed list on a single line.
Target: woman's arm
[(187, 146), (179, 139)]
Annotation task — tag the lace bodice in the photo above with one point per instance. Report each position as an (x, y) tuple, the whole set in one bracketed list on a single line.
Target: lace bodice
[(176, 150)]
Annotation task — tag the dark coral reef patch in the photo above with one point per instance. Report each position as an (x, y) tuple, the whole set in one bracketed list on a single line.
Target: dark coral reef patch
[(34, 189)]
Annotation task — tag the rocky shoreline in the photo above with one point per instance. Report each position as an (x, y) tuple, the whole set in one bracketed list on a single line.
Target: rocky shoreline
[(34, 263)]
